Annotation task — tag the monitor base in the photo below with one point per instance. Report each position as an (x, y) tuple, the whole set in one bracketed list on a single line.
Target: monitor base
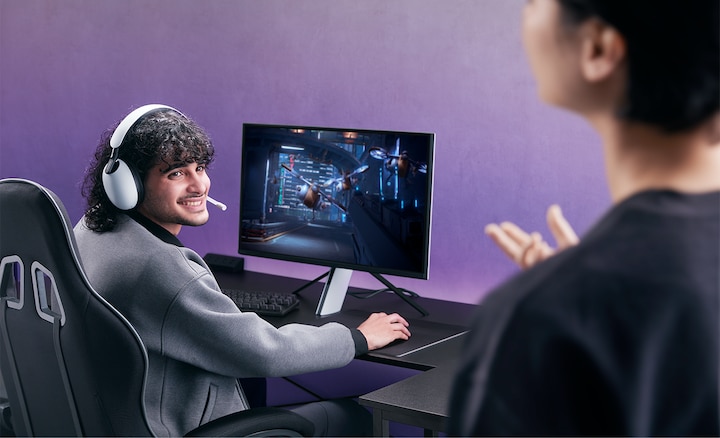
[(333, 290)]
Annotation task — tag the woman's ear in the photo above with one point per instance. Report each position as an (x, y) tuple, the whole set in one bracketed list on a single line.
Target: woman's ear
[(603, 51)]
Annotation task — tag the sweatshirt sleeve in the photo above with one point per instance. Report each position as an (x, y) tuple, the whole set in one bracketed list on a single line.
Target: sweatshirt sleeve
[(204, 327)]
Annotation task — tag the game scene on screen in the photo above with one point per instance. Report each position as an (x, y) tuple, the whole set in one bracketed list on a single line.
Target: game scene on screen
[(351, 198)]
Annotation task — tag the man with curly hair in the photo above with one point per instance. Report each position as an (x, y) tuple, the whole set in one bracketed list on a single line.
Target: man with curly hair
[(198, 342)]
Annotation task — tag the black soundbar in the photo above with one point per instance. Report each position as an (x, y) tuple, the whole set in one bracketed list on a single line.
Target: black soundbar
[(224, 263)]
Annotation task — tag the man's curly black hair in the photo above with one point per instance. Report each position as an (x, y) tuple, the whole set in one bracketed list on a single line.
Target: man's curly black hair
[(160, 137)]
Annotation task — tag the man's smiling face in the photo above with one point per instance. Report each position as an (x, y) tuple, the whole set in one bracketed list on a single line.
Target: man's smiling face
[(175, 195)]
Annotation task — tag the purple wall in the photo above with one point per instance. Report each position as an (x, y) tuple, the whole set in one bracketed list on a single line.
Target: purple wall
[(72, 68)]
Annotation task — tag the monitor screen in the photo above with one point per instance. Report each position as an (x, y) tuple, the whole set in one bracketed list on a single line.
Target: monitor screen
[(342, 198)]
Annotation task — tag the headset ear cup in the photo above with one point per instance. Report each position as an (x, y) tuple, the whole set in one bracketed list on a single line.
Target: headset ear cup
[(121, 182), (139, 186), (123, 186)]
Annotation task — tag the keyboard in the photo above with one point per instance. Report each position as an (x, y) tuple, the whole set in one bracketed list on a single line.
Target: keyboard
[(262, 302)]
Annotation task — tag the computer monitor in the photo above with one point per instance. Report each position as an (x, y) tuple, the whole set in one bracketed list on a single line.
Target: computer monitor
[(348, 199)]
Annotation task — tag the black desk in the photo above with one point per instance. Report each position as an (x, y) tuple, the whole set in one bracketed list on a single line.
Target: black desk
[(420, 400)]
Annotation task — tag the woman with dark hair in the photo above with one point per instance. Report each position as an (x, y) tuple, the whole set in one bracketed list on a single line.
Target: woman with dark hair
[(617, 334)]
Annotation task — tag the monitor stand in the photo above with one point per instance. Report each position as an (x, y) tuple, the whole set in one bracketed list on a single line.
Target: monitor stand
[(399, 293), (333, 294), (336, 286)]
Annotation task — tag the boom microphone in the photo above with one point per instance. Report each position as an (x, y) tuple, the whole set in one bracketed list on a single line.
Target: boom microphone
[(217, 204)]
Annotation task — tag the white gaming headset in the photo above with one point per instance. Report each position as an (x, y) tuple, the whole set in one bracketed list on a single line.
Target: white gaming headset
[(122, 184)]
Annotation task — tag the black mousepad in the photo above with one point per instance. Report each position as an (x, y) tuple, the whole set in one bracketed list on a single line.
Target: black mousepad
[(423, 333)]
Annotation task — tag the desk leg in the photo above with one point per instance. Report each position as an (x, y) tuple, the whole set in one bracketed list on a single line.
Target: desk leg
[(381, 426), (431, 433)]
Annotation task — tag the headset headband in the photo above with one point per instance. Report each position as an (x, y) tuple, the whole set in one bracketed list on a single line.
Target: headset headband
[(132, 118)]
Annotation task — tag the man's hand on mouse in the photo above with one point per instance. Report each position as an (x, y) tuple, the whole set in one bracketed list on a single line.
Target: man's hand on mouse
[(381, 329)]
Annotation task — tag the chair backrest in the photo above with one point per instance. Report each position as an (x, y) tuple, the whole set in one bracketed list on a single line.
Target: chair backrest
[(71, 363)]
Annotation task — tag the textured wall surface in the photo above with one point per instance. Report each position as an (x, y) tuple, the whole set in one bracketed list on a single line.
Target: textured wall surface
[(71, 69)]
